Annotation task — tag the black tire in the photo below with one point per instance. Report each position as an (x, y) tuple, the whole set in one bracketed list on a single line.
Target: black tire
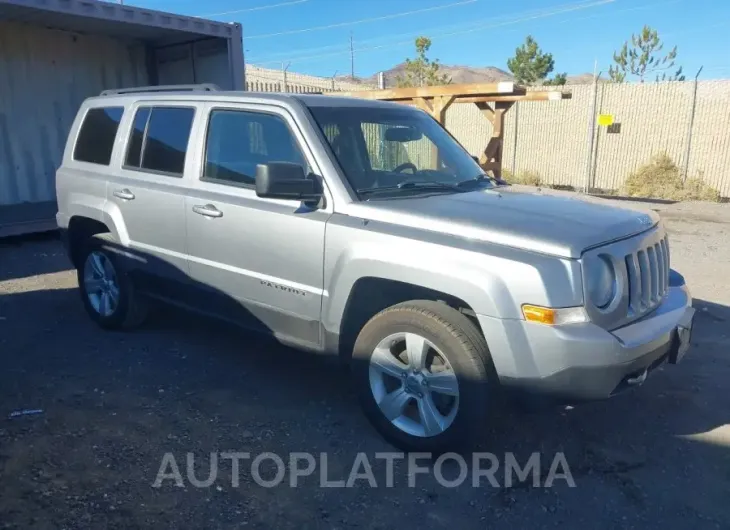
[(467, 353), (131, 310)]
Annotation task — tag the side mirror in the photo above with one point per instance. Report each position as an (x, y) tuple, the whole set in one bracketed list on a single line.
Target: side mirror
[(284, 180)]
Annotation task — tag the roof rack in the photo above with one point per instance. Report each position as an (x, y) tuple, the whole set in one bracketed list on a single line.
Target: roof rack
[(206, 87)]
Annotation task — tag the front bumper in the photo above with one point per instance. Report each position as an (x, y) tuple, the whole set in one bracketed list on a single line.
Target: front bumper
[(583, 361)]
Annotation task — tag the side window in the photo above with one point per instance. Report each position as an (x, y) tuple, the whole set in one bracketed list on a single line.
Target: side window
[(237, 141), (136, 137), (95, 141), (159, 139)]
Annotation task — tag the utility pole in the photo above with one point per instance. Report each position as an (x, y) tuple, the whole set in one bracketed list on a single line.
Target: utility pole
[(591, 128), (283, 72), (693, 107), (352, 59)]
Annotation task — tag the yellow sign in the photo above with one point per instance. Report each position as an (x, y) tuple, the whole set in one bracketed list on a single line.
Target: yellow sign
[(605, 119)]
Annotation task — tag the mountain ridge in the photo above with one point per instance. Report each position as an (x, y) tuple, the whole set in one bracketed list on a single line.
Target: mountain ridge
[(459, 74)]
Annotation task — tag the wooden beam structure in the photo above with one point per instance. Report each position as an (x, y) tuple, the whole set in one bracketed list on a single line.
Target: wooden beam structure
[(492, 99)]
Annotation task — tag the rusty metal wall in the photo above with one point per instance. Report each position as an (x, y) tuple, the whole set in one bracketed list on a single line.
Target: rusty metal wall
[(45, 74)]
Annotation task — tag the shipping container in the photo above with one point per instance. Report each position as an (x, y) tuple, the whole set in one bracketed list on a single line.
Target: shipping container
[(56, 53)]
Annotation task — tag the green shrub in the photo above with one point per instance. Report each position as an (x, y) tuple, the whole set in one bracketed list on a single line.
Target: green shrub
[(526, 178), (662, 179)]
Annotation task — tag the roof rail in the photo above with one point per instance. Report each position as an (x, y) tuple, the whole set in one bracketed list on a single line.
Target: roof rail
[(207, 87)]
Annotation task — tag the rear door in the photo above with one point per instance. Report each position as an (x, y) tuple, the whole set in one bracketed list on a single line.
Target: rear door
[(260, 261), (148, 192), (81, 181)]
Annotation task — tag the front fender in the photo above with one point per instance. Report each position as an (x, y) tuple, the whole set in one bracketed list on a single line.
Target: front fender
[(494, 284)]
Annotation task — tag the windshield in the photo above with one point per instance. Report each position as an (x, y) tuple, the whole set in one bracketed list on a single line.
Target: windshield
[(395, 150)]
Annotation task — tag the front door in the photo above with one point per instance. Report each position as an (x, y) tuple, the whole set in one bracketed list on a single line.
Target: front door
[(259, 260)]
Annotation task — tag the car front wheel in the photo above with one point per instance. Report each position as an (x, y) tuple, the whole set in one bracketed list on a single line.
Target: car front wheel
[(424, 376)]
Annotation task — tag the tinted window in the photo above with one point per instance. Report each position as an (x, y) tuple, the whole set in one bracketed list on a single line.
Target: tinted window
[(166, 140), (238, 141), (134, 148), (96, 137)]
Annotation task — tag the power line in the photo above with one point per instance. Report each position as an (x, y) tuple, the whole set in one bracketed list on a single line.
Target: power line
[(456, 27), (544, 14), (258, 8), (663, 3), (362, 21)]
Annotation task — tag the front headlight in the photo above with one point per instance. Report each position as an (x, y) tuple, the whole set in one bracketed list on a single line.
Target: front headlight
[(601, 281)]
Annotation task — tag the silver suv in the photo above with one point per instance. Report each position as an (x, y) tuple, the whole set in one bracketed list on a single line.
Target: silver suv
[(363, 229)]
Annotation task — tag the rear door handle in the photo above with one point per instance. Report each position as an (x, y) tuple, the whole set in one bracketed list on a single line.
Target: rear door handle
[(124, 194), (208, 210)]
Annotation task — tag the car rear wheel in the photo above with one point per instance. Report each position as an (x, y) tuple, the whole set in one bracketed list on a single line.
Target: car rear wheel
[(106, 290), (424, 376)]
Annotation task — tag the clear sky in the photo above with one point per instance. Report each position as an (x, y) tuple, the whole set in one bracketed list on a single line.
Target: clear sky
[(314, 35)]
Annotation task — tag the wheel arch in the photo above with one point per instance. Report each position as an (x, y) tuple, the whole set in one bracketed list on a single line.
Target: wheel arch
[(80, 229), (371, 294)]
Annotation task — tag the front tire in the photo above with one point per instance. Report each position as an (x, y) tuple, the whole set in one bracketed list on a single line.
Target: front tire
[(108, 294), (424, 376)]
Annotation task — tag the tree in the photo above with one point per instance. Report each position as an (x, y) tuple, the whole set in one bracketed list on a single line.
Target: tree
[(531, 65), (559, 79), (641, 58), (422, 71)]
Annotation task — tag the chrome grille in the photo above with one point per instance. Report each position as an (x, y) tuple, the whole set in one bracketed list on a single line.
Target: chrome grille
[(648, 274)]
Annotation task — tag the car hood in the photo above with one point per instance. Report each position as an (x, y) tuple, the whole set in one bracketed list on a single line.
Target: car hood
[(550, 224)]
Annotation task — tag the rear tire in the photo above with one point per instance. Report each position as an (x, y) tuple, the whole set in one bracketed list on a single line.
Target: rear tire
[(432, 408), (107, 291)]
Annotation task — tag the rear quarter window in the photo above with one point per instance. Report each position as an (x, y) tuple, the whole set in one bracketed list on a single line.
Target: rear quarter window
[(95, 141)]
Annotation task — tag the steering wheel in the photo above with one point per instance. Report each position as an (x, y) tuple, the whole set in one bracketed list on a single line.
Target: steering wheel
[(404, 166)]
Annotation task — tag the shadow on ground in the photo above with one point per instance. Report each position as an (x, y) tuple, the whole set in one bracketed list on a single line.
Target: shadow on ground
[(115, 403), (15, 265)]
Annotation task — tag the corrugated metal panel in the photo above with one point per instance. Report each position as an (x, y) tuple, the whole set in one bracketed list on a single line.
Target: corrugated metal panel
[(116, 19), (44, 76)]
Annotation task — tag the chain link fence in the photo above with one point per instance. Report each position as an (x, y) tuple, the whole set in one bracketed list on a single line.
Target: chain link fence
[(565, 145), (269, 80)]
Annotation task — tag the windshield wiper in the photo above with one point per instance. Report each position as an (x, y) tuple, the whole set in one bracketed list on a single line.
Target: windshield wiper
[(412, 184), (481, 177)]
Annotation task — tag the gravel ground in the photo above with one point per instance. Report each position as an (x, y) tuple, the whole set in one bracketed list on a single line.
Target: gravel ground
[(113, 404)]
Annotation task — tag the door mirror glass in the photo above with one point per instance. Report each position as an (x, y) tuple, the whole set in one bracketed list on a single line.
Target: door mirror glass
[(284, 180)]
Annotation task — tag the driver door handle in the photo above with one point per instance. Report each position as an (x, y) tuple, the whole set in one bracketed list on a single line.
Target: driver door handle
[(124, 194), (208, 210)]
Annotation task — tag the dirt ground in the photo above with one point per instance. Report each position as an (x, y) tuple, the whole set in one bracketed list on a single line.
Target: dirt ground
[(113, 404)]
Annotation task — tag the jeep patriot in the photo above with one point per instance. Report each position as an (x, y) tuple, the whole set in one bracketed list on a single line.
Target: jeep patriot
[(363, 230)]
